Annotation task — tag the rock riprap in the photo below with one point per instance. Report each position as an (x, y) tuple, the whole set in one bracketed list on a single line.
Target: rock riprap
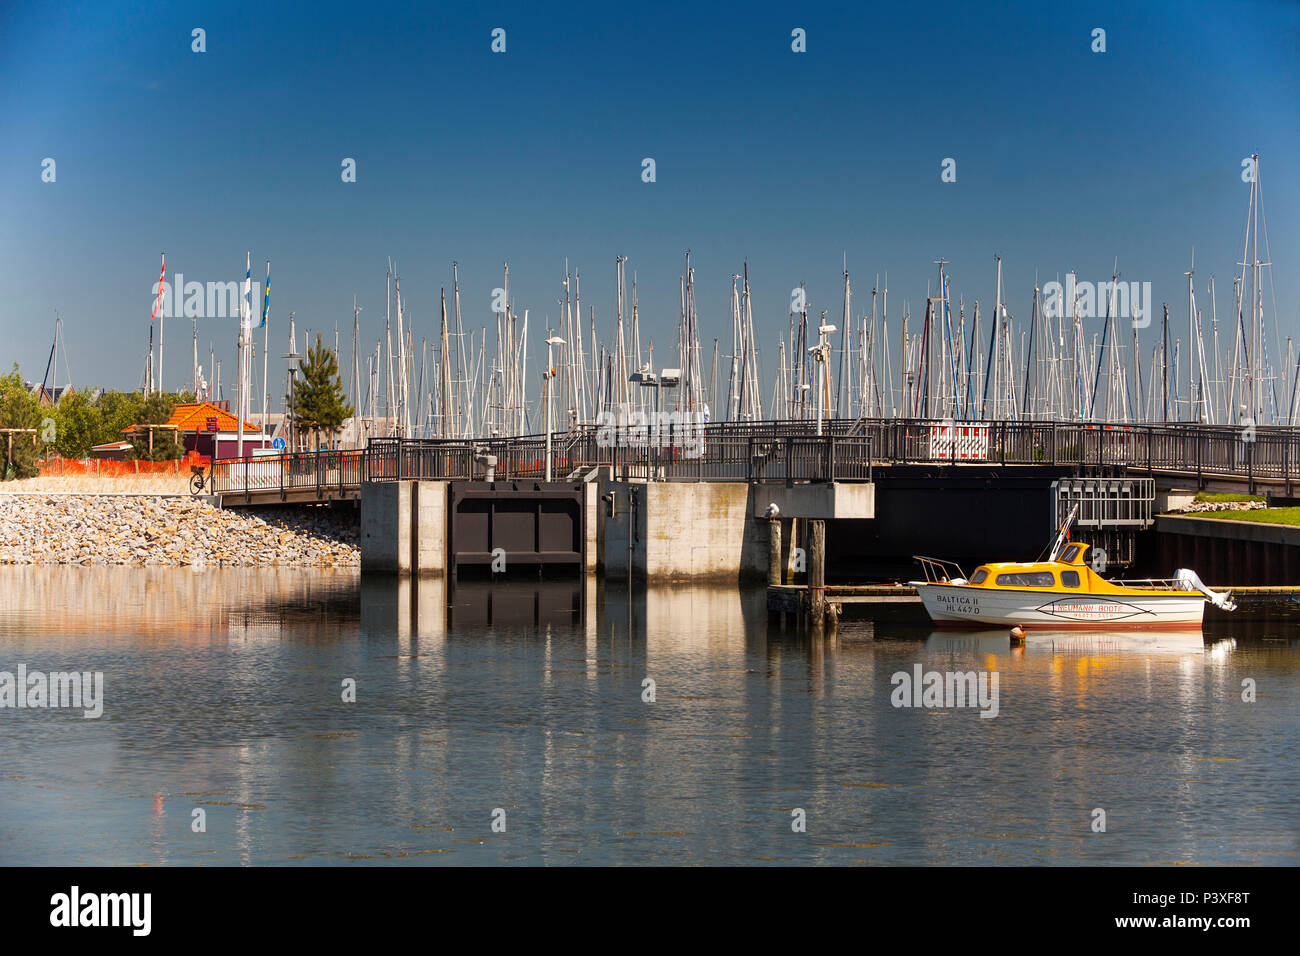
[(1200, 507), (163, 531)]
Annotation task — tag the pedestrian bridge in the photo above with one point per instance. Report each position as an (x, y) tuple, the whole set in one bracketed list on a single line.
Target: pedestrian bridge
[(1227, 458)]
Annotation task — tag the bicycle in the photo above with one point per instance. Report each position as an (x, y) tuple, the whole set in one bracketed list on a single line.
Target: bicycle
[(196, 480)]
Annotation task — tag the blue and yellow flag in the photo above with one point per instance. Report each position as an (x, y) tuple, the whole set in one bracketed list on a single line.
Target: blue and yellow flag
[(266, 296)]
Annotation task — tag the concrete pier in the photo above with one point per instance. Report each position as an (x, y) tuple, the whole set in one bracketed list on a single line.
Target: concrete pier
[(666, 531), (711, 531), (404, 527)]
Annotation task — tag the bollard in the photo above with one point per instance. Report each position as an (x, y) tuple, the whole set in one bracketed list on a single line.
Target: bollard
[(774, 551), (817, 571), (832, 616)]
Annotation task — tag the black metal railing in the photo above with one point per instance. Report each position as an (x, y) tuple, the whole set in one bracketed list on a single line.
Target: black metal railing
[(677, 453), (326, 471), (791, 451)]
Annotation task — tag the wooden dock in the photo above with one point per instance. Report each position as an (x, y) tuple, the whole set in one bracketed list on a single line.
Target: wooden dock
[(796, 598)]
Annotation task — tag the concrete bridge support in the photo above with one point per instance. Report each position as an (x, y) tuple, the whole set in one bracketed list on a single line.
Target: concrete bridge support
[(404, 527), (712, 531)]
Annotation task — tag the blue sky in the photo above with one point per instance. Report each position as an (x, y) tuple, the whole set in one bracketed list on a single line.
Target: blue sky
[(1066, 159)]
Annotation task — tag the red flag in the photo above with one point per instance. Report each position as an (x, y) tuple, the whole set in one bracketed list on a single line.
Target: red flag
[(158, 301)]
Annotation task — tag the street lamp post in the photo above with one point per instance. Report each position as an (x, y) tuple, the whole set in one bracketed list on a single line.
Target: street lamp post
[(293, 358), (668, 378), (821, 352), (548, 378), (646, 379)]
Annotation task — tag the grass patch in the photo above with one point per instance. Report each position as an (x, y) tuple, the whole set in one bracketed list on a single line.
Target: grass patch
[(1259, 515), (1207, 496)]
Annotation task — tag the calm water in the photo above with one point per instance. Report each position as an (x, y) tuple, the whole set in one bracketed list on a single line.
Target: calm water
[(223, 692)]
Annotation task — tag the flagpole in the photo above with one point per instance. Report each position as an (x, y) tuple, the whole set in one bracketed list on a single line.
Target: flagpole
[(157, 311), (239, 405), (162, 314), (266, 340), (244, 337)]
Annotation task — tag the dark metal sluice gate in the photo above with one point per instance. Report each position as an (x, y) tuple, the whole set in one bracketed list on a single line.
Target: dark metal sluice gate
[(497, 526)]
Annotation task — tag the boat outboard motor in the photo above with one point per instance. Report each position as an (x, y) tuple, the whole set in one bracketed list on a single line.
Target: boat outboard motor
[(1188, 580)]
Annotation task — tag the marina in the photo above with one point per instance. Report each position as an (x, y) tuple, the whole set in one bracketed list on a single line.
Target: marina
[(790, 437)]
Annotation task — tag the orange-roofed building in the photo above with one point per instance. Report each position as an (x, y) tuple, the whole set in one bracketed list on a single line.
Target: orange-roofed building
[(207, 429)]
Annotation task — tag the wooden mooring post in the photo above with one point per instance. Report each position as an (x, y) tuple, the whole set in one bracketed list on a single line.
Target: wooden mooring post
[(774, 575), (774, 551), (819, 610)]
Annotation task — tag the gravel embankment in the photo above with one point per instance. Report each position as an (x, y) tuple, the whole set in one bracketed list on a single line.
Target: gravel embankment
[(1201, 507), (161, 531)]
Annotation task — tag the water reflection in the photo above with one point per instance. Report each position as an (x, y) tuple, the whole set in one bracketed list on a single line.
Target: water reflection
[(1073, 642), (225, 691)]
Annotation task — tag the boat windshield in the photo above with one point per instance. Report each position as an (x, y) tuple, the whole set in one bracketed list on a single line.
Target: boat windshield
[(1069, 554), (1027, 579), (979, 576)]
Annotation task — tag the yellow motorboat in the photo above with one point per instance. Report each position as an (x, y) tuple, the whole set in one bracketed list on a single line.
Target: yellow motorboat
[(1064, 591)]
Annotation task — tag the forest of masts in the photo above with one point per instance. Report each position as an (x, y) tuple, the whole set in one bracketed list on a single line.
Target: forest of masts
[(952, 362)]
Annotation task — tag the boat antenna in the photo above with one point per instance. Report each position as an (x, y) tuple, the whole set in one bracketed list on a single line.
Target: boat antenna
[(1063, 533)]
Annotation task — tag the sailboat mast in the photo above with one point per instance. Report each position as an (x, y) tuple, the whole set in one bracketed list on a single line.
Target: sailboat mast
[(356, 373), (197, 397), (388, 338), (444, 374), (404, 412)]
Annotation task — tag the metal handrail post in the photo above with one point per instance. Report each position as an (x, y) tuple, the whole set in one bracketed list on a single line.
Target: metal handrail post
[(1250, 466), (1200, 481)]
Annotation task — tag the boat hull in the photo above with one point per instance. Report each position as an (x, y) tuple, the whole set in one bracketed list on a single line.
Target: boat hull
[(955, 605)]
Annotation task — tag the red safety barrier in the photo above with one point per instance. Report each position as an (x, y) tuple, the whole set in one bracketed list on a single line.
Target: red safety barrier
[(111, 468)]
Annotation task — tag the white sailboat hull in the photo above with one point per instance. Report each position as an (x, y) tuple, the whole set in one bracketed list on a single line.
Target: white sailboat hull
[(984, 607)]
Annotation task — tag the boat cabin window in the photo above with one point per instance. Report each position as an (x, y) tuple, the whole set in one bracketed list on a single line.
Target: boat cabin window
[(1070, 579), (1070, 553), (1027, 579), (979, 576)]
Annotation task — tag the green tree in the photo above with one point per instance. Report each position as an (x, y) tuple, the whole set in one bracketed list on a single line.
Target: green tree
[(78, 425), (19, 408), (117, 410), (317, 404), (156, 409)]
